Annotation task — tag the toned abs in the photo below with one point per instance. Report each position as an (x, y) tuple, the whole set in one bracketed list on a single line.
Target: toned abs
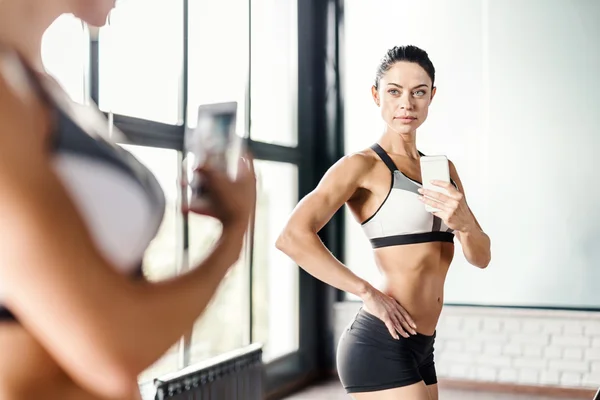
[(414, 275)]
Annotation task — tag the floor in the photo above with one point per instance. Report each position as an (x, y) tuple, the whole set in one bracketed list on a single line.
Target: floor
[(333, 391)]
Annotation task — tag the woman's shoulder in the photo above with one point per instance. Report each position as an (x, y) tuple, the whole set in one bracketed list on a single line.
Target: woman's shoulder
[(358, 163), (366, 158)]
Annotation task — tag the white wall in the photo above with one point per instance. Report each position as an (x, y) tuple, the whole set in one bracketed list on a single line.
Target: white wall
[(516, 110)]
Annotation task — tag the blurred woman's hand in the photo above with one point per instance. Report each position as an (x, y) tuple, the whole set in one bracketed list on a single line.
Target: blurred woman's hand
[(231, 201)]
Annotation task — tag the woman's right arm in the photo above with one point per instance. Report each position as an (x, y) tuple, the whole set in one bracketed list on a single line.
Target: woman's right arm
[(300, 241), (100, 326)]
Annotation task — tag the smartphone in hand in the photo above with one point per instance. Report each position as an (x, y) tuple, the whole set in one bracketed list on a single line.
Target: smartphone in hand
[(434, 168)]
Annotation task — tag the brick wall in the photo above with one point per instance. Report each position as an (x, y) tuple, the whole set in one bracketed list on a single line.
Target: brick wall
[(529, 347)]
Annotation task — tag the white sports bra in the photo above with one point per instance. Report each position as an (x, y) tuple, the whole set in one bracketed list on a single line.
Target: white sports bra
[(402, 218), (120, 201)]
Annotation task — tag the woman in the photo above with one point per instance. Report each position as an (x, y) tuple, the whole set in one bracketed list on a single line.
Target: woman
[(77, 212), (387, 350)]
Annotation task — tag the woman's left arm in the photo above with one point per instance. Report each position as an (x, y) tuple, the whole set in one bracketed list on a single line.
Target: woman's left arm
[(457, 215)]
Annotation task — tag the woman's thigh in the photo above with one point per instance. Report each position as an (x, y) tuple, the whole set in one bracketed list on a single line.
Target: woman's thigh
[(433, 392), (416, 391)]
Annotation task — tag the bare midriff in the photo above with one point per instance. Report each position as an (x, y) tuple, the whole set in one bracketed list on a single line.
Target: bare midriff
[(27, 370), (414, 275)]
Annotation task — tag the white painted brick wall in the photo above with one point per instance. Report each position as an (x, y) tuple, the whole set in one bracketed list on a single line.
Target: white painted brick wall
[(518, 346)]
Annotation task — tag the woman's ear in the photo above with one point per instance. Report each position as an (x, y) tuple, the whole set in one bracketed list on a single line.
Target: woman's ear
[(375, 95), (433, 92)]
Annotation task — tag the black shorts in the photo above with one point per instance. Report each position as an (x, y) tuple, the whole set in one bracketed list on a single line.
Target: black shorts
[(370, 359)]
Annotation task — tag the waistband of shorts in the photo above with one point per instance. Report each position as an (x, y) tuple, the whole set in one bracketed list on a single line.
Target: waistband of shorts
[(364, 316)]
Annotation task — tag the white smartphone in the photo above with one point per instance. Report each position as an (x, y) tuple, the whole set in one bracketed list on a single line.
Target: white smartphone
[(434, 168)]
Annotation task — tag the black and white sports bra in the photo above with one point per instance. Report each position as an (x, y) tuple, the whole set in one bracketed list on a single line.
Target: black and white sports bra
[(402, 218), (120, 200)]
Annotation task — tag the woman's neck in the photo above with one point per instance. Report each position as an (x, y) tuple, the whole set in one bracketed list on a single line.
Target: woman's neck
[(22, 26), (400, 144)]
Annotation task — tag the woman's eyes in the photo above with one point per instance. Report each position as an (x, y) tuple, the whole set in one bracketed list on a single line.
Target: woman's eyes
[(415, 93)]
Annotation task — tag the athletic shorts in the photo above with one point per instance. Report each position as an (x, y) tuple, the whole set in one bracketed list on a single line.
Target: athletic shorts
[(370, 359)]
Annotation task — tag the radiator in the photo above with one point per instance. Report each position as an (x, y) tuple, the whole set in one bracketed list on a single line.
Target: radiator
[(237, 375)]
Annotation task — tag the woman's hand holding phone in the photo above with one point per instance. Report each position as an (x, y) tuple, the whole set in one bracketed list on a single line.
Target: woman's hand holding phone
[(453, 209), (232, 200)]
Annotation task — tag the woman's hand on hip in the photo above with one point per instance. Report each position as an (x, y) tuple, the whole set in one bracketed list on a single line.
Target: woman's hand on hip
[(388, 310), (454, 210)]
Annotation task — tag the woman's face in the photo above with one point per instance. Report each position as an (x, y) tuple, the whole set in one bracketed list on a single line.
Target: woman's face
[(93, 12), (404, 95)]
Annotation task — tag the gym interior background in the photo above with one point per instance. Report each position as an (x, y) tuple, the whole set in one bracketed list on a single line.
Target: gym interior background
[(516, 110)]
